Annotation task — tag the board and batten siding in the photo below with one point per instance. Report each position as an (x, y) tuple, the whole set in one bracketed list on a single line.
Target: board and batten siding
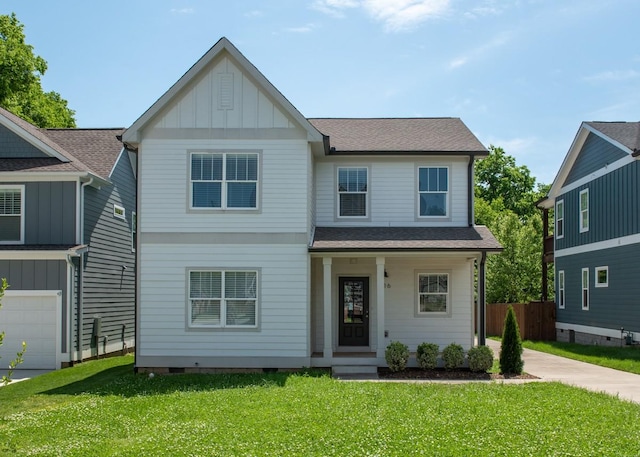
[(610, 307), (50, 213), (614, 208), (282, 303), (393, 191), (109, 266), (282, 188), (596, 153)]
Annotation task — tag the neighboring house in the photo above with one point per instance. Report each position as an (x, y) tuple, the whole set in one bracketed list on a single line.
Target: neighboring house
[(596, 199), (269, 240), (67, 221)]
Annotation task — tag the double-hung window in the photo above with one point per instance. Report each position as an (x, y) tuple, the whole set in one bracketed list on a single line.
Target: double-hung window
[(585, 288), (560, 219), (352, 191), (223, 298), (584, 210), (433, 293), (561, 289), (433, 191), (11, 214), (224, 180)]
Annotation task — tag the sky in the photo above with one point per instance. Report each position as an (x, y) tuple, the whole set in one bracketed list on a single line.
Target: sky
[(521, 74)]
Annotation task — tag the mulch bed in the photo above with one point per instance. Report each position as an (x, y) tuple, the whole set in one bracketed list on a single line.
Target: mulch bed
[(448, 375)]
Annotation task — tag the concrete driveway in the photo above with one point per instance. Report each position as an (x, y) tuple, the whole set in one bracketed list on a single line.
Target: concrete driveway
[(592, 377)]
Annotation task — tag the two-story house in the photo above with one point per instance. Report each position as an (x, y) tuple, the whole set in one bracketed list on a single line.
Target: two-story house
[(596, 199), (269, 240), (67, 225)]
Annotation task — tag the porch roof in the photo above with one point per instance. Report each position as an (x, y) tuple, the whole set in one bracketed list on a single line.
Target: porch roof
[(476, 238)]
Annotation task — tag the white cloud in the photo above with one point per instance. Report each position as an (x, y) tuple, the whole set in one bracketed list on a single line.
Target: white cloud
[(498, 41), (254, 13), (612, 76), (396, 15), (303, 29), (182, 10)]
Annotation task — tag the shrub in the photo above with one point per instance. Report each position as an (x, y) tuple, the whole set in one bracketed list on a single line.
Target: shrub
[(453, 356), (427, 355), (480, 358), (511, 348), (397, 355)]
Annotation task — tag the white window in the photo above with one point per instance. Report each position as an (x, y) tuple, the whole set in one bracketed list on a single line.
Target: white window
[(11, 214), (584, 210), (224, 180), (433, 191), (602, 276), (134, 228), (353, 187), (561, 289), (433, 293), (559, 219), (119, 212), (585, 288), (219, 298)]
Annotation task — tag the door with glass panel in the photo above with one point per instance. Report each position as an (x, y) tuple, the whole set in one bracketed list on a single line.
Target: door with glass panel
[(353, 313)]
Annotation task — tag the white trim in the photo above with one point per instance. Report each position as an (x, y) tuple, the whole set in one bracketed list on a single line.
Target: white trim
[(610, 168), (446, 196), (115, 164), (20, 188), (448, 304), (600, 331), (607, 244), (367, 193), (561, 290), (39, 255), (133, 230), (583, 227), (119, 212), (79, 212), (34, 176), (584, 287), (558, 203), (595, 279)]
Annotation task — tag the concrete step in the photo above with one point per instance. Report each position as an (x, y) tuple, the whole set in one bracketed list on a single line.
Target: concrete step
[(355, 371)]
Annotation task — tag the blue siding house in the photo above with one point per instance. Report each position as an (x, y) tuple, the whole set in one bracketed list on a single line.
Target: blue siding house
[(67, 243), (596, 198)]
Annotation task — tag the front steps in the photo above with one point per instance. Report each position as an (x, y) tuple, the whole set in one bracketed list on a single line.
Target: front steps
[(354, 371)]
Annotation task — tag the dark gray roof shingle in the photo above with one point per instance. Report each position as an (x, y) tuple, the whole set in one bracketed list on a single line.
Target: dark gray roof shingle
[(477, 238), (399, 135), (626, 133)]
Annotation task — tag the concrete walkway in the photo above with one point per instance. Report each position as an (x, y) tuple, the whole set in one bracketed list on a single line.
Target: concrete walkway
[(549, 367), (22, 375)]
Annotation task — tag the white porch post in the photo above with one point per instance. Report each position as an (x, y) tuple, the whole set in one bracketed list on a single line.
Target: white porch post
[(326, 282), (380, 306)]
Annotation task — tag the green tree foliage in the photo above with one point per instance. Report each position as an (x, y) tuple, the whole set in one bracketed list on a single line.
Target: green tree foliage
[(511, 348), (20, 87), (6, 379)]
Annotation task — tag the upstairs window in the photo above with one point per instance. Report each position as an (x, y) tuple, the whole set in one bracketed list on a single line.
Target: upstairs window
[(560, 219), (224, 180), (223, 298), (585, 289), (433, 191), (352, 192), (584, 211), (11, 214)]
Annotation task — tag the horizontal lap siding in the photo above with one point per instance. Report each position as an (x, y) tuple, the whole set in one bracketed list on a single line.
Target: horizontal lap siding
[(283, 186), (392, 190), (595, 154), (283, 310), (610, 307)]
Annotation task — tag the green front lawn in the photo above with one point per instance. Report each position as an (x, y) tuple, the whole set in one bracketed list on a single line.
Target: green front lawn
[(625, 358), (102, 409)]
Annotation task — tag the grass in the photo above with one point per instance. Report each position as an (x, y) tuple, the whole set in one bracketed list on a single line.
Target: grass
[(101, 408), (624, 358)]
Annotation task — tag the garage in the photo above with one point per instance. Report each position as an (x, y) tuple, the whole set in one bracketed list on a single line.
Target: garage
[(34, 317)]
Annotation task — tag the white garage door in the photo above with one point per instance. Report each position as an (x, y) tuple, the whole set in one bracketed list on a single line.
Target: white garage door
[(34, 317)]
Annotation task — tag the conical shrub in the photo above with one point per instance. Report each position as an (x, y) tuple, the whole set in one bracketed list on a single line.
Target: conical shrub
[(511, 349)]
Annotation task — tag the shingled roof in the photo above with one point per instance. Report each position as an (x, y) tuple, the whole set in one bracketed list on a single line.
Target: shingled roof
[(477, 238), (445, 136), (625, 133)]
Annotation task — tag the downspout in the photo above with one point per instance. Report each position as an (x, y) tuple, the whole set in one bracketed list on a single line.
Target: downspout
[(470, 185), (70, 292), (80, 268), (482, 305)]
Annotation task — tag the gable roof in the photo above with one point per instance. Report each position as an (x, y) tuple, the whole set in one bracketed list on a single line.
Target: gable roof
[(623, 135), (441, 136), (132, 135)]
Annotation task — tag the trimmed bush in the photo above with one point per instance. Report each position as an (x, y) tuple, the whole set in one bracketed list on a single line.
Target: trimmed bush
[(396, 355), (480, 358), (427, 355), (511, 348), (453, 356)]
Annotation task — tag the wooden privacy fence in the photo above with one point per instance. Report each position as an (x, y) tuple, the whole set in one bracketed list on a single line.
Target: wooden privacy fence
[(536, 320)]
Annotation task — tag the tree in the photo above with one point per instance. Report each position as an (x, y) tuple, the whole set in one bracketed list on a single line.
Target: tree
[(511, 347), (20, 86), (6, 379)]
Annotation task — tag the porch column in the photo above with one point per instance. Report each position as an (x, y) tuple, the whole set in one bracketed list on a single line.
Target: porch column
[(326, 284), (380, 346)]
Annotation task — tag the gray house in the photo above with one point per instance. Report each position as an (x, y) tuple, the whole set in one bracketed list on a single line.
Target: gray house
[(596, 197), (67, 242)]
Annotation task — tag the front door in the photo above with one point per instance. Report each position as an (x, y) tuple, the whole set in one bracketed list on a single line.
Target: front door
[(353, 312)]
